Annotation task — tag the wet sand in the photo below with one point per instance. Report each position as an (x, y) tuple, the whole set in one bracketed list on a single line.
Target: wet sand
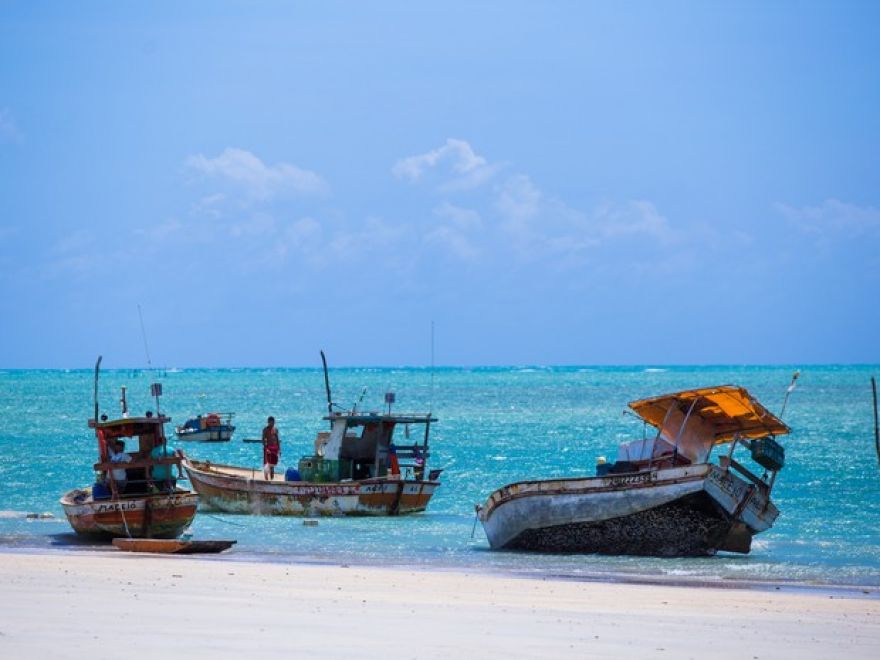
[(107, 605)]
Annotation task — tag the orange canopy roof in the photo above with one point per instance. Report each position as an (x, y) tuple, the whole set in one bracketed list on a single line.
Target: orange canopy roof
[(728, 409)]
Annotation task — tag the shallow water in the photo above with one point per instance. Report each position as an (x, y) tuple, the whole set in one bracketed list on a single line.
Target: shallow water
[(497, 425)]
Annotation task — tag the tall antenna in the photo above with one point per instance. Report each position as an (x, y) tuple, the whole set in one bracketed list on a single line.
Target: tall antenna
[(431, 407), (788, 392), (97, 373), (876, 421), (144, 335), (327, 387)]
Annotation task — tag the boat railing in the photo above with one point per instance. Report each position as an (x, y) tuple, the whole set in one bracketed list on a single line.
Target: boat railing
[(726, 462), (588, 483), (138, 479), (145, 463)]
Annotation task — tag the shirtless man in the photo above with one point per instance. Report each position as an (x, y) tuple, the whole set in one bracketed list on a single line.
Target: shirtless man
[(271, 449)]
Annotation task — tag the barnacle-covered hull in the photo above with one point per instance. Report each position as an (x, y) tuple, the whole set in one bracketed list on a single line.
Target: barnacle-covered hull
[(694, 510)]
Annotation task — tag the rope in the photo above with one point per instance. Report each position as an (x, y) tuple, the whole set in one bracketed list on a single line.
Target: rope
[(124, 521), (228, 522)]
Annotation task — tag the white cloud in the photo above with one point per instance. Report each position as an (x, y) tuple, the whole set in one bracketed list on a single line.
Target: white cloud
[(530, 223), (509, 222), (454, 242), (376, 237), (210, 205), (259, 181), (257, 225), (9, 131), (457, 232), (833, 217), (635, 217), (541, 227), (459, 166), (298, 240), (303, 236), (536, 225), (459, 217), (518, 200)]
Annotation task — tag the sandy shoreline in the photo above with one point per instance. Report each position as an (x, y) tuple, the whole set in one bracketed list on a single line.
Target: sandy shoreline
[(106, 605)]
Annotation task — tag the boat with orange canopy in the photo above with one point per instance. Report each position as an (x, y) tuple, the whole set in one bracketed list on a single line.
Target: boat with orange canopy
[(663, 496)]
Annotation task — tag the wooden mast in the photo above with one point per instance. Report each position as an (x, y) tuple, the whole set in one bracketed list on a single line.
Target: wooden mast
[(876, 423)]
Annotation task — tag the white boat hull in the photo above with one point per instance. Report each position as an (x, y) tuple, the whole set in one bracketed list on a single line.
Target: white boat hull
[(692, 510), (210, 434)]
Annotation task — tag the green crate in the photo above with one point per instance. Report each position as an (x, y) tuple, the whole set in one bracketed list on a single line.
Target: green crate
[(768, 453), (323, 470)]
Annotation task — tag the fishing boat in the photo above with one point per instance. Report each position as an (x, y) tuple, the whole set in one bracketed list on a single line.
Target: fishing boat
[(146, 502), (357, 469), (209, 427), (663, 496)]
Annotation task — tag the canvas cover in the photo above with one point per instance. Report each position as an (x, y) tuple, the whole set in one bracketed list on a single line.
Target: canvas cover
[(719, 414)]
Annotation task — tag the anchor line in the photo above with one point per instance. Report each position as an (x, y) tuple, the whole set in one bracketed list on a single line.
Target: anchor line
[(228, 522), (124, 521)]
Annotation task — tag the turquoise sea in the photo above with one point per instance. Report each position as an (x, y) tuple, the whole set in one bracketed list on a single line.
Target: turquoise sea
[(496, 425)]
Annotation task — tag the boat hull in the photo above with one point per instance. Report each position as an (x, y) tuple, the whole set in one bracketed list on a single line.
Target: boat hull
[(685, 511), (210, 434), (163, 516), (232, 489), (171, 546)]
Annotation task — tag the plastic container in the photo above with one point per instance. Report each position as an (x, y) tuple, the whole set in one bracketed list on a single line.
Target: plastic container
[(292, 474), (100, 491), (768, 453)]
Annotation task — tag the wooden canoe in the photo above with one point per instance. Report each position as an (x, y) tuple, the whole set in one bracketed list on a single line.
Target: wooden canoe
[(171, 546)]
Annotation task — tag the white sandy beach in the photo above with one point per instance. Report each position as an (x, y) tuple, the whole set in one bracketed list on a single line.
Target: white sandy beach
[(108, 606)]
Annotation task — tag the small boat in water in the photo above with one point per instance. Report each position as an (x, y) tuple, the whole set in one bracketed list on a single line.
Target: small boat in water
[(663, 496), (210, 427), (137, 498)]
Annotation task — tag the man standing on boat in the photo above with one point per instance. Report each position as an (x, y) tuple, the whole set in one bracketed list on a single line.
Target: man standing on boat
[(271, 449)]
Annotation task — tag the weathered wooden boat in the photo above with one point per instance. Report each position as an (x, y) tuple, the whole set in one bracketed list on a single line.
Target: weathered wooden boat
[(172, 546), (210, 427), (356, 470), (140, 505), (663, 496)]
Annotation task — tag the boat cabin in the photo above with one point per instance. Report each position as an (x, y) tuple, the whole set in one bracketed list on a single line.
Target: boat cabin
[(141, 435), (691, 423), (361, 446)]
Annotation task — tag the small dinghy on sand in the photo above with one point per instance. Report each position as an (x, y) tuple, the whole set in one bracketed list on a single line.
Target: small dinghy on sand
[(171, 546)]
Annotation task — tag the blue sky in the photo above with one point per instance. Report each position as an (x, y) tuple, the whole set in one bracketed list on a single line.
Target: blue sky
[(549, 183)]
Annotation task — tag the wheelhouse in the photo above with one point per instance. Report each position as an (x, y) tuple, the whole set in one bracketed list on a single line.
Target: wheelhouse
[(362, 446)]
